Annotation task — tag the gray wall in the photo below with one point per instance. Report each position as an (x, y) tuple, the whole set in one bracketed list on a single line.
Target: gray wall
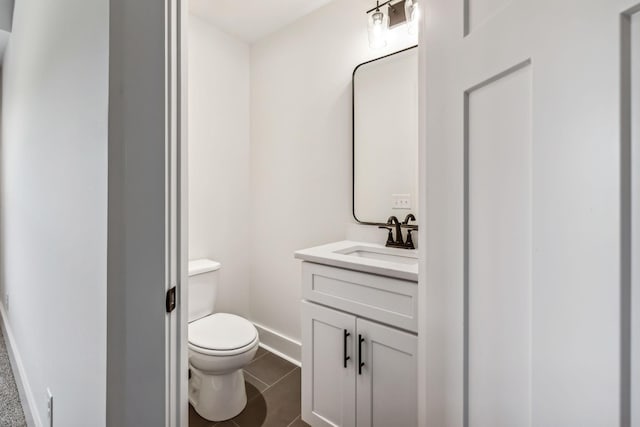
[(83, 226), (54, 202), (6, 14), (136, 261)]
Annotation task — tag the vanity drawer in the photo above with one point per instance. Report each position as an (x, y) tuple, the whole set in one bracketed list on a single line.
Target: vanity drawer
[(383, 299)]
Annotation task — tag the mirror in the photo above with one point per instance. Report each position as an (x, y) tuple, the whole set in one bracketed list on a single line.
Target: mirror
[(385, 138)]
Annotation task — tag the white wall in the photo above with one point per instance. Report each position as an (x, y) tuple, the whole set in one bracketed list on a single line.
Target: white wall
[(54, 203), (290, 96), (219, 121), (301, 149)]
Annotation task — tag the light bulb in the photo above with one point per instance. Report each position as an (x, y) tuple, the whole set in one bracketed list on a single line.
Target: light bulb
[(412, 12), (378, 27)]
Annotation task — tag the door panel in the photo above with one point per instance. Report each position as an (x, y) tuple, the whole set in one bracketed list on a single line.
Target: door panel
[(386, 388), (498, 285), (328, 387), (523, 272), (476, 12)]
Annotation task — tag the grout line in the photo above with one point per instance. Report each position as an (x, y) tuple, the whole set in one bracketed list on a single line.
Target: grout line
[(294, 420), (263, 355), (280, 379), (270, 386), (277, 381), (261, 393), (255, 378)]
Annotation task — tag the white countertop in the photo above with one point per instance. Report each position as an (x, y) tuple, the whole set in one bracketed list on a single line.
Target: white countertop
[(330, 254)]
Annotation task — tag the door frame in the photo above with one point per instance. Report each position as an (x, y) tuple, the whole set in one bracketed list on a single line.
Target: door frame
[(183, 213), (177, 197), (630, 209), (422, 219), (177, 349)]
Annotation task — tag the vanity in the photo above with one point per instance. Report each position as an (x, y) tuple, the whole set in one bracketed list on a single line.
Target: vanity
[(360, 300), (359, 335)]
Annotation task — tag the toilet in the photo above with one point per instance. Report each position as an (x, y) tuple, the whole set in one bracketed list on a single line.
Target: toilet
[(220, 345)]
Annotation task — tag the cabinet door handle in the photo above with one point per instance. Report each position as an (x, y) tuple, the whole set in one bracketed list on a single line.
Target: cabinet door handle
[(344, 347), (360, 362)]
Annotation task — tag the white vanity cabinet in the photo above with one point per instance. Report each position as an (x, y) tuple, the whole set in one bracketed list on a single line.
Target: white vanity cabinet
[(359, 348), (328, 380), (386, 390)]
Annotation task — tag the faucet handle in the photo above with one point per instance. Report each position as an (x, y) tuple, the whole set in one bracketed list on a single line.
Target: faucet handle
[(409, 243), (409, 217), (390, 235)]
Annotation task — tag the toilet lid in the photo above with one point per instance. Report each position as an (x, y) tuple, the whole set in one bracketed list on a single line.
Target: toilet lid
[(222, 331)]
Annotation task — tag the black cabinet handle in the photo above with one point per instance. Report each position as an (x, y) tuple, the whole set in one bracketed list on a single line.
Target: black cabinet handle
[(344, 347), (360, 362)]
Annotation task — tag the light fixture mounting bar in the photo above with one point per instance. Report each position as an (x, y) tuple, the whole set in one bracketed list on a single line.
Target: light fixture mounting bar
[(396, 12), (378, 6)]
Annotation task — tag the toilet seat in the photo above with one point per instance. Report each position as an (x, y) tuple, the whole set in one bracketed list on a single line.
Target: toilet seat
[(222, 334), (222, 353)]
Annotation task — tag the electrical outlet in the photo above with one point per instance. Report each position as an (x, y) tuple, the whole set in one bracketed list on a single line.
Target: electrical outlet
[(50, 407), (401, 201)]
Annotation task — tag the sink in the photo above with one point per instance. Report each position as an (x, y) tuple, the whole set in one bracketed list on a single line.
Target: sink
[(365, 257), (401, 256)]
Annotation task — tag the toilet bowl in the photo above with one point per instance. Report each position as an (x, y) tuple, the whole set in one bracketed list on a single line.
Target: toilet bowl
[(220, 345)]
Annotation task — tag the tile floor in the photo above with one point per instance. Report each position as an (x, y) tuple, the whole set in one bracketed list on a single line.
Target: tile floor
[(273, 395)]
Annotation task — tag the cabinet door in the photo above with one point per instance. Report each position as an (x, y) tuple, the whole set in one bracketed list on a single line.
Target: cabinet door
[(387, 382), (328, 381)]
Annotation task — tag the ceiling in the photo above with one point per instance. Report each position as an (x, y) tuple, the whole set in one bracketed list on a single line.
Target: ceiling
[(251, 20)]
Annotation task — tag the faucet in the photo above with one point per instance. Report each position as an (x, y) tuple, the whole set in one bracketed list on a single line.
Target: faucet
[(399, 242), (409, 243), (391, 221), (408, 218)]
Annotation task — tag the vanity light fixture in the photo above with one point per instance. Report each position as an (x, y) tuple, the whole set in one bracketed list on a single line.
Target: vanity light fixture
[(412, 13), (378, 27), (398, 13)]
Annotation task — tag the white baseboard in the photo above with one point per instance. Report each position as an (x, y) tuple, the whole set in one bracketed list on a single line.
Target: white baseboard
[(24, 390), (279, 344)]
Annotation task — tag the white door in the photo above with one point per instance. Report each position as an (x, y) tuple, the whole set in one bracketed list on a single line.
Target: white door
[(526, 309), (386, 382), (328, 357)]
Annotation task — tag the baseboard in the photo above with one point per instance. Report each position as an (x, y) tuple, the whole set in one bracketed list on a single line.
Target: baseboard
[(279, 344), (24, 390)]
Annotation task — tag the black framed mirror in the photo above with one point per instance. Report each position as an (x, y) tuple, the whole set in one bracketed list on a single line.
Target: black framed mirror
[(385, 138)]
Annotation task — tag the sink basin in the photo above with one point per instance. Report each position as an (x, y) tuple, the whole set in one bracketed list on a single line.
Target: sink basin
[(401, 256), (365, 257)]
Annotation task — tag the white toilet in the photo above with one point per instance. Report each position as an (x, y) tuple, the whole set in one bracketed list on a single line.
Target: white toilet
[(220, 345)]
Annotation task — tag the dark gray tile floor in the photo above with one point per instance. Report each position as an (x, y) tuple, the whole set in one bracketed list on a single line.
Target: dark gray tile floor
[(273, 395)]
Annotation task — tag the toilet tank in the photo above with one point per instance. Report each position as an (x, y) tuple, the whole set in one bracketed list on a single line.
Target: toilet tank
[(203, 287)]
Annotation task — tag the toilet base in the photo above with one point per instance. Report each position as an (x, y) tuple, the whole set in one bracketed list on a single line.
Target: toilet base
[(217, 397)]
